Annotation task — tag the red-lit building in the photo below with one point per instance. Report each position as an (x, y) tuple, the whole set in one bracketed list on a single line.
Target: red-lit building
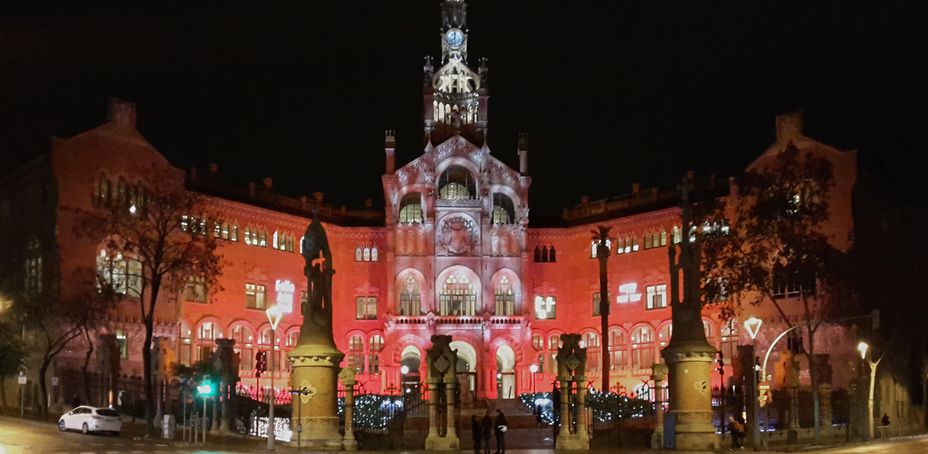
[(454, 252)]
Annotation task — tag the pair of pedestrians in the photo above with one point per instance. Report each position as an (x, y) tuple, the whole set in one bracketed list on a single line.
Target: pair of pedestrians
[(481, 430)]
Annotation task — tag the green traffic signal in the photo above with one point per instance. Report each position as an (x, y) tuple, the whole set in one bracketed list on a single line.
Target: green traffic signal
[(205, 388)]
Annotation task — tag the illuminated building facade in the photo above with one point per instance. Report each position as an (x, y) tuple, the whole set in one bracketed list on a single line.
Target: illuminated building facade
[(452, 253)]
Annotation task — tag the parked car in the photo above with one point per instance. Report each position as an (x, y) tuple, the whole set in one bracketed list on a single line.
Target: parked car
[(91, 420)]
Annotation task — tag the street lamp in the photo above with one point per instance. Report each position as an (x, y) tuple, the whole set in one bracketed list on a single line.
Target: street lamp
[(533, 369), (752, 326), (204, 389), (863, 348), (274, 314)]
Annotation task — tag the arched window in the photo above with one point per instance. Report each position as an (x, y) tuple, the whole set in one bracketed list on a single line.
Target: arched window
[(233, 233), (545, 307), (647, 240), (503, 209), (729, 339), (552, 254), (358, 254), (264, 342), (244, 346), (367, 254), (538, 256), (456, 183), (590, 340), (103, 191), (617, 350), (677, 236), (356, 354), (184, 336), (664, 334), (663, 237), (538, 343), (121, 192), (275, 240), (458, 296), (410, 299), (373, 360), (374, 254), (505, 297), (207, 334), (707, 328), (411, 209), (642, 348)]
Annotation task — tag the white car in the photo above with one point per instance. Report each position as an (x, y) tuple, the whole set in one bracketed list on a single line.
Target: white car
[(91, 419)]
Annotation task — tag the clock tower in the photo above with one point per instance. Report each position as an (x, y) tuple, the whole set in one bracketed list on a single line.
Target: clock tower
[(455, 97)]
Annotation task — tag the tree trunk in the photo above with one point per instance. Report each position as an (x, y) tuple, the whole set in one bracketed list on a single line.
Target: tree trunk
[(3, 391), (149, 388), (84, 369), (604, 317), (43, 387)]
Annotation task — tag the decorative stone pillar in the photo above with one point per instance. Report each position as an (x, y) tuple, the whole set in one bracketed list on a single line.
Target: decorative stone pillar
[(348, 381), (441, 363), (571, 367), (315, 359), (433, 408), (689, 356), (658, 374), (564, 430)]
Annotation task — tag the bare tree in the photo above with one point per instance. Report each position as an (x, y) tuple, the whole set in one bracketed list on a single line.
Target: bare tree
[(768, 246), (167, 238)]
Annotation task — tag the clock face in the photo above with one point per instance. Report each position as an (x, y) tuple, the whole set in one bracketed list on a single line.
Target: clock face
[(454, 38)]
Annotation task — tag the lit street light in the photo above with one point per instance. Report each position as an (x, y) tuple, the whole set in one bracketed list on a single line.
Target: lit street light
[(274, 315), (752, 325), (863, 348), (205, 390), (533, 369)]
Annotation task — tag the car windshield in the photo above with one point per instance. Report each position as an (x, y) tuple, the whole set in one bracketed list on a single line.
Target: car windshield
[(107, 412)]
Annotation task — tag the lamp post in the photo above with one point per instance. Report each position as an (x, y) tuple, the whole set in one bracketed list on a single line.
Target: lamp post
[(752, 326), (274, 314), (204, 389), (863, 348)]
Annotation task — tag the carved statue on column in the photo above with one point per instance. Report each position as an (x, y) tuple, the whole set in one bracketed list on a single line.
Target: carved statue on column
[(315, 359), (689, 355)]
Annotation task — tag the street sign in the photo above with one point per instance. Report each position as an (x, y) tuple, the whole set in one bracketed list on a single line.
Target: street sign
[(23, 379)]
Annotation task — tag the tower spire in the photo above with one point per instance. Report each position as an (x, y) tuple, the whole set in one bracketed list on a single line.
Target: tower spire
[(455, 98)]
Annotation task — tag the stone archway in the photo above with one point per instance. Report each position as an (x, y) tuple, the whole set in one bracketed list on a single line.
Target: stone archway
[(467, 368), (505, 373), (410, 366)]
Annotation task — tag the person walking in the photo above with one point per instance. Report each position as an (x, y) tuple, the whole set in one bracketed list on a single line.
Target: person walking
[(475, 433), (501, 428), (486, 428), (737, 432)]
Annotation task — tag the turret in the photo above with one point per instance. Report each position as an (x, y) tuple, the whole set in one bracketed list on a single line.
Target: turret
[(389, 149), (523, 153)]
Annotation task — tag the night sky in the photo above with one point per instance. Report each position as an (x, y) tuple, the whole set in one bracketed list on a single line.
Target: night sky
[(610, 93)]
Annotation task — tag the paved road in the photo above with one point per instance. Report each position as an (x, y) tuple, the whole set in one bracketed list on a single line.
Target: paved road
[(25, 436)]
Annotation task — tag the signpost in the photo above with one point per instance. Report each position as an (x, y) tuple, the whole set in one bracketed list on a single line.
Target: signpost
[(22, 380)]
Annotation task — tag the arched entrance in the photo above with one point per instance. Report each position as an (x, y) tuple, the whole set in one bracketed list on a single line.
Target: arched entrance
[(410, 362), (505, 373), (467, 369)]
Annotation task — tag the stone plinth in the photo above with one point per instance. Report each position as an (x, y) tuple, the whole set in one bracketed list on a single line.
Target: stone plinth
[(315, 369), (690, 368)]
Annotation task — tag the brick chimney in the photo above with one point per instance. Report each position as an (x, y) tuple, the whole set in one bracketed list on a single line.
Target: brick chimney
[(789, 126), (121, 113), (389, 149)]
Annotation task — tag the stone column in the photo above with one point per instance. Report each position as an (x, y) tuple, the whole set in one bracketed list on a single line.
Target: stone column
[(433, 408), (565, 409), (690, 369), (451, 431), (349, 443), (658, 374), (581, 408)]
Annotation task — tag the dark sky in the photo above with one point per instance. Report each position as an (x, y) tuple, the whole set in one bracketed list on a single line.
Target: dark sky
[(609, 92)]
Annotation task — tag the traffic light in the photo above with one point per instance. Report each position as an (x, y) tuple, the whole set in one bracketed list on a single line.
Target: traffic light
[(205, 388), (721, 363), (260, 363)]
